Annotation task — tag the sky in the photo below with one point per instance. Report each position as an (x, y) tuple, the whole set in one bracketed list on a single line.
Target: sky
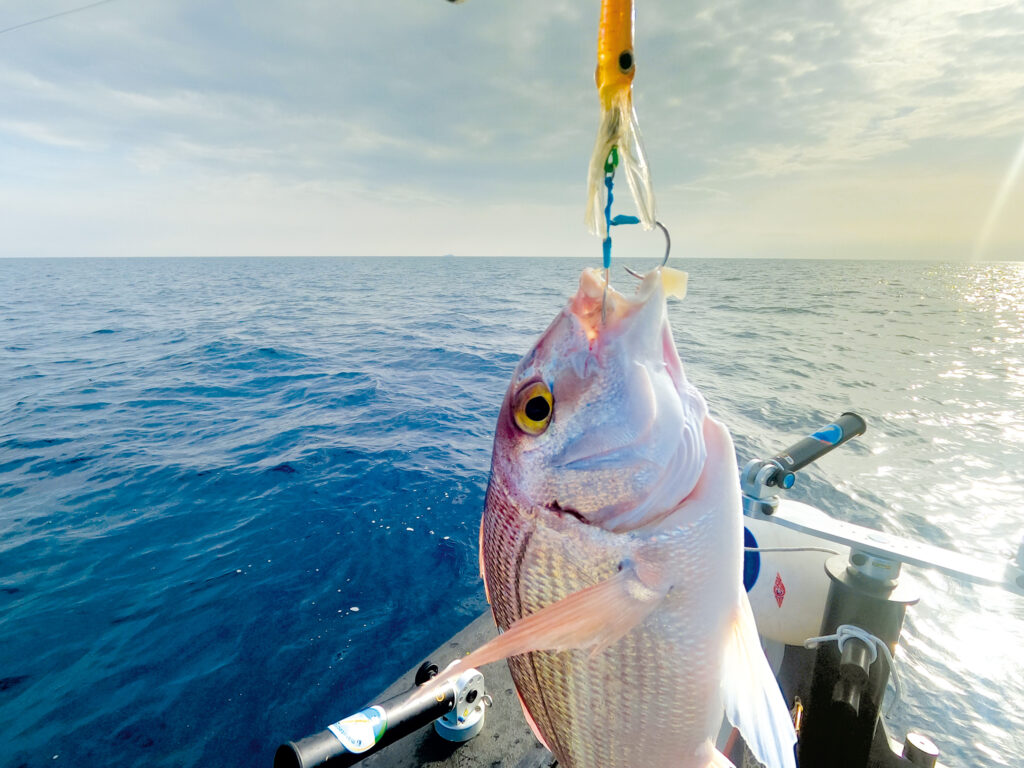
[(812, 128)]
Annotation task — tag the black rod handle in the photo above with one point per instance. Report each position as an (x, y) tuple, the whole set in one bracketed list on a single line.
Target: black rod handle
[(813, 447), (396, 717)]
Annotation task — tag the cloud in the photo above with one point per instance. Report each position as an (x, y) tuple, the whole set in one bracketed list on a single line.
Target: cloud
[(488, 105), (833, 85), (43, 133)]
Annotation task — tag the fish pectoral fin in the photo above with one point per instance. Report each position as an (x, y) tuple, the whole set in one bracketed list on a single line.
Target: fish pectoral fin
[(593, 618), (753, 701)]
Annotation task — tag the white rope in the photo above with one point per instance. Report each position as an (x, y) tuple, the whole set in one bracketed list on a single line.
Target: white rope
[(845, 632)]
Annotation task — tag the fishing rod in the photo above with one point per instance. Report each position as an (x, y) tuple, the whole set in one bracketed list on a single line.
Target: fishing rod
[(457, 707)]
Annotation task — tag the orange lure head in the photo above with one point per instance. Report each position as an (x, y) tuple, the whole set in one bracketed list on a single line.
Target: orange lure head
[(615, 62)]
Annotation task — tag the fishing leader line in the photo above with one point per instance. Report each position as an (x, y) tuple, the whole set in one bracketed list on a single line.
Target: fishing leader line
[(54, 16), (610, 164)]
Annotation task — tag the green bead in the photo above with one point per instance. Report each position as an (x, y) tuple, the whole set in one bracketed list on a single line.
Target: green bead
[(613, 160)]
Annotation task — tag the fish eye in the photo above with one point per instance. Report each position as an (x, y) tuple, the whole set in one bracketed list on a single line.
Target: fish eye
[(626, 62), (533, 408)]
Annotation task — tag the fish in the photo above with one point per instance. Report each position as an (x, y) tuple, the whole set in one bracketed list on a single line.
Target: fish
[(611, 548), (616, 67)]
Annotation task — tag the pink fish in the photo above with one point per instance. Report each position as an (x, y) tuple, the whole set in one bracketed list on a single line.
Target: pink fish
[(611, 547)]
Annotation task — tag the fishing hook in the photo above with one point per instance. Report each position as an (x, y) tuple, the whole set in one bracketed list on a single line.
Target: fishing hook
[(609, 179), (668, 241), (668, 250)]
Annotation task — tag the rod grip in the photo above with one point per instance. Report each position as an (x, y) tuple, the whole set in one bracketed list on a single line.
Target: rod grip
[(401, 715), (813, 447)]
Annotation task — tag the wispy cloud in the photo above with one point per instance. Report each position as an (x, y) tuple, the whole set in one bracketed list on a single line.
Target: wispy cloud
[(44, 133), (488, 105), (839, 85)]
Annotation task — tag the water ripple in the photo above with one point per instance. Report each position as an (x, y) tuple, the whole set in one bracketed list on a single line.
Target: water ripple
[(206, 464)]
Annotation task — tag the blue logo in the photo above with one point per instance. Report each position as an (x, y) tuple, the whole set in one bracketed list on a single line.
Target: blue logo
[(751, 561)]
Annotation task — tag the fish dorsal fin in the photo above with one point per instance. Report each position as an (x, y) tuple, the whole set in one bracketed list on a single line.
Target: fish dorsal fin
[(753, 701), (674, 282), (592, 618)]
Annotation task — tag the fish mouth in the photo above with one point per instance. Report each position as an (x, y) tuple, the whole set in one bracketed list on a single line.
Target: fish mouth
[(609, 313)]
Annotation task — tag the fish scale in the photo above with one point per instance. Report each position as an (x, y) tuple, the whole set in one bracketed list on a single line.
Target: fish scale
[(597, 699)]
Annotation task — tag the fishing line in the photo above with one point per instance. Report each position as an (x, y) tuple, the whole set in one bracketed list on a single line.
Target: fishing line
[(792, 549), (606, 245), (610, 164), (55, 16)]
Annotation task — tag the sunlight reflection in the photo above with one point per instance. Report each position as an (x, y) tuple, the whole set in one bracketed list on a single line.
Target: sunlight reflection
[(998, 203)]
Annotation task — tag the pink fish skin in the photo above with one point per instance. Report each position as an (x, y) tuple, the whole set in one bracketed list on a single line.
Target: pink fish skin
[(611, 547)]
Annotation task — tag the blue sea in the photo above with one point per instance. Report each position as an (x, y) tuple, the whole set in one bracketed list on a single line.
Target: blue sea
[(238, 497)]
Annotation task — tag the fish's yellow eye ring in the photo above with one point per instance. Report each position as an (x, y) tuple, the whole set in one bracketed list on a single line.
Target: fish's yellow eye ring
[(533, 408)]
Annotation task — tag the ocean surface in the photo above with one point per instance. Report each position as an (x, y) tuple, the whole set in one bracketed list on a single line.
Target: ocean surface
[(239, 497)]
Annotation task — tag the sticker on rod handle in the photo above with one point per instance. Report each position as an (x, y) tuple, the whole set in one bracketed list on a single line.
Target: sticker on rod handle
[(361, 731), (831, 434)]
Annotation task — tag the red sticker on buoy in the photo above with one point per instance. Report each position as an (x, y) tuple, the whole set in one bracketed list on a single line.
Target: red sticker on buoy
[(780, 589)]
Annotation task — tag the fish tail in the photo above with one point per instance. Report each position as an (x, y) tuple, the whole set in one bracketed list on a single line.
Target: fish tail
[(619, 128)]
